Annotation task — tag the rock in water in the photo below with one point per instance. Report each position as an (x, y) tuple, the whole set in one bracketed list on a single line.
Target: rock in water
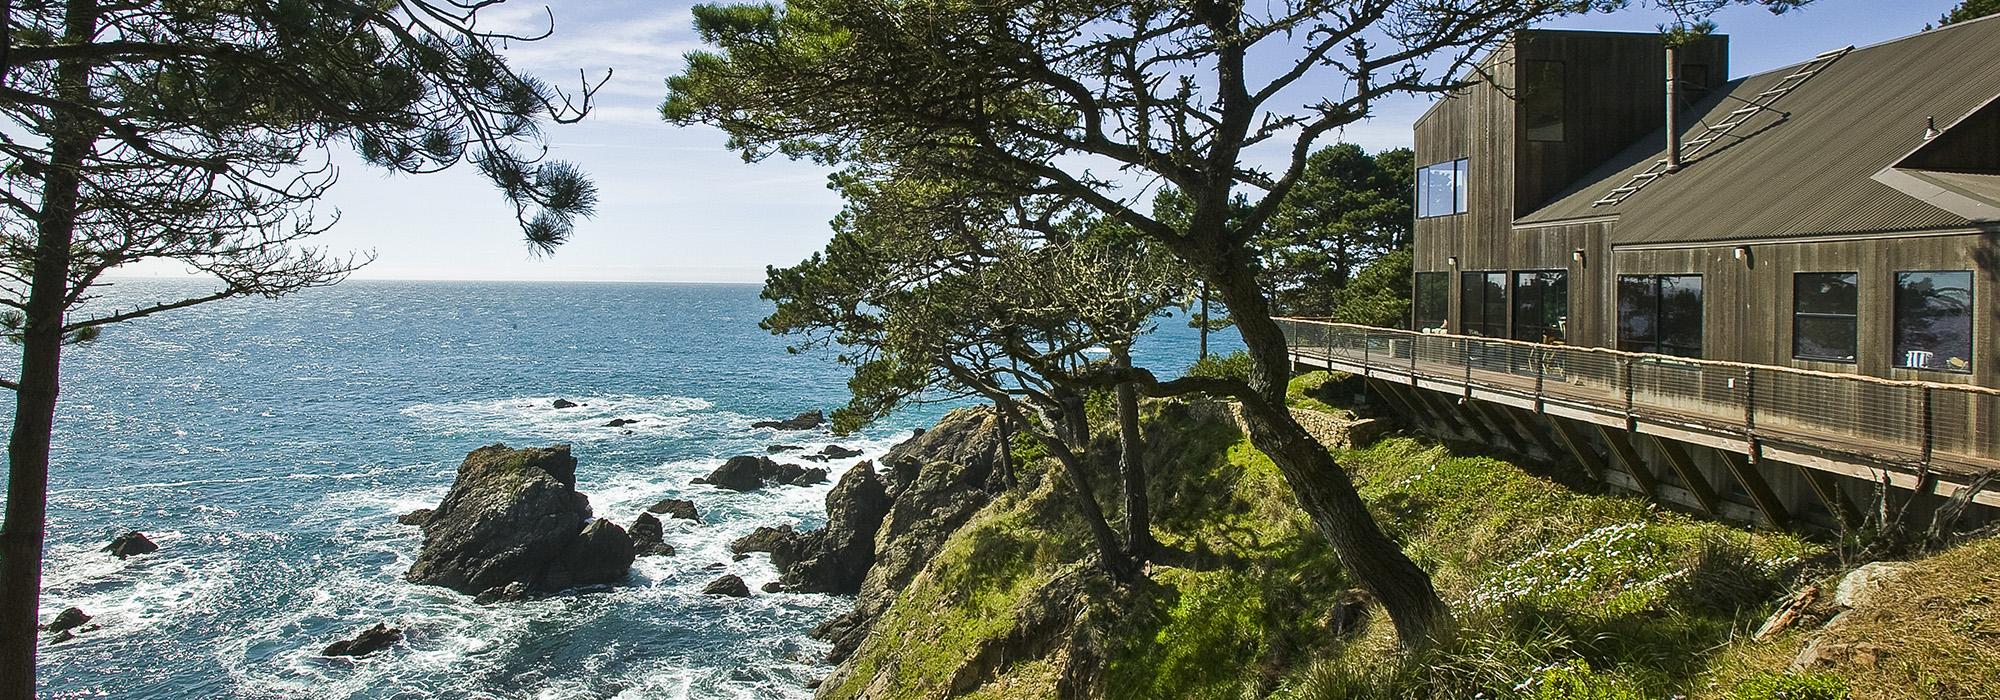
[(415, 517), (838, 452), (729, 585), (835, 558), (620, 423), (131, 544), (514, 516), (741, 473), (647, 535), (774, 449), (510, 593), (813, 476), (803, 421), (68, 619), (765, 539), (677, 508), (564, 403), (369, 641)]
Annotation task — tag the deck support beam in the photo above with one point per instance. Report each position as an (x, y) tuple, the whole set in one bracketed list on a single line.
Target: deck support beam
[(1827, 488), (1535, 434), (1579, 447), (1627, 455), (1691, 477), (1753, 482), (1481, 411)]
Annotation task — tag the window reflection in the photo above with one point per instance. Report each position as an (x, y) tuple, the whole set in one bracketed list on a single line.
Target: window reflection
[(1824, 315), (1660, 314), (1934, 320)]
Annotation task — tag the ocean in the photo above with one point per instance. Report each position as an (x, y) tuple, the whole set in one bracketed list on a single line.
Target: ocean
[(268, 446)]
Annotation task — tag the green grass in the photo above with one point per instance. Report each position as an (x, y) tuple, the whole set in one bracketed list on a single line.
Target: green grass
[(1559, 594)]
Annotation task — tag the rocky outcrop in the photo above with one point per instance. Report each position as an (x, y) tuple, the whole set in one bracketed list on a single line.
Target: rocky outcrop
[(510, 593), (416, 517), (729, 585), (515, 516), (803, 421), (648, 535), (620, 423), (130, 544), (836, 558), (931, 484), (675, 508), (774, 449), (564, 403), (749, 473), (368, 641), (771, 540)]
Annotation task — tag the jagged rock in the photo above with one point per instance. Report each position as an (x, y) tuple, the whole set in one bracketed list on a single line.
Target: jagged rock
[(773, 587), (68, 619), (415, 517), (811, 476), (836, 558), (647, 535), (785, 473), (803, 421), (774, 449), (130, 544), (739, 557), (564, 403), (729, 585), (510, 593), (620, 423), (765, 539), (677, 508), (1858, 585), (933, 483), (368, 641), (838, 452), (514, 516), (61, 637)]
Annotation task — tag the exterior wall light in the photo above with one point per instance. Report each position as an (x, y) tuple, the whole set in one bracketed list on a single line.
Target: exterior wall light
[(1451, 261), (1742, 252), (1577, 256)]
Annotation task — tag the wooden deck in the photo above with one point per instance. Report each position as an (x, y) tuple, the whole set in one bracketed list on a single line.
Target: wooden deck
[(1915, 436)]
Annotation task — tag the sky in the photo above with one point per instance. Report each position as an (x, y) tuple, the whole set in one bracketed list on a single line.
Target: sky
[(676, 206)]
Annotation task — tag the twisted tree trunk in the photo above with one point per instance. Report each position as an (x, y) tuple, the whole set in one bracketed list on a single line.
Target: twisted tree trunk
[(1132, 466)]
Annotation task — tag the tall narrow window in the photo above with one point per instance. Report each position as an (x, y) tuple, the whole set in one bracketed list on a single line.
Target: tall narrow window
[(1441, 189), (1482, 303), (1542, 100), (1934, 320), (1824, 316), (1541, 305), (1660, 314), (1433, 302)]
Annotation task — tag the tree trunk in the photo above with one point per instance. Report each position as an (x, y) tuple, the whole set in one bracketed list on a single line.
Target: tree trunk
[(1204, 321), (1323, 488), (21, 533), (1132, 466), (1116, 560), (1007, 480)]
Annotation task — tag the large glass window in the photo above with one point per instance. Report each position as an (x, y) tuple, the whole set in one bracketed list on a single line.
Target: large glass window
[(1542, 100), (1441, 189), (1660, 314), (1934, 320), (1541, 305), (1482, 303), (1433, 302), (1824, 314)]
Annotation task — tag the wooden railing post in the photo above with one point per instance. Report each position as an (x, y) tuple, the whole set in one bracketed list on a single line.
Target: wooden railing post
[(1750, 414), (1930, 428), (1467, 361), (1625, 367)]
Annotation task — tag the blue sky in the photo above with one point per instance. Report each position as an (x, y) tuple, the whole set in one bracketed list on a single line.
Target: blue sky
[(676, 206)]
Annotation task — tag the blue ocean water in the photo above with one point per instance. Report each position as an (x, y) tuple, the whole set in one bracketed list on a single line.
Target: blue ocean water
[(268, 446)]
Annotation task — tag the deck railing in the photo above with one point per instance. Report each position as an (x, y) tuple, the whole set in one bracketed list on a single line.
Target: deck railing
[(1954, 427)]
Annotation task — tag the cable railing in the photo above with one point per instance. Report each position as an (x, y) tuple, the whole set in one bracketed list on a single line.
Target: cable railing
[(1949, 426)]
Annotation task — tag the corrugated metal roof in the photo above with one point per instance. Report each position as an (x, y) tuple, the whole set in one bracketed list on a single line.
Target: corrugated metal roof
[(1807, 171)]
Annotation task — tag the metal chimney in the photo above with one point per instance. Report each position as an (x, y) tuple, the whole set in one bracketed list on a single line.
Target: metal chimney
[(1673, 108)]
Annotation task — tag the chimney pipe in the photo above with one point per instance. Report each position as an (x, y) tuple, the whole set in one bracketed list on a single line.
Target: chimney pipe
[(1673, 109)]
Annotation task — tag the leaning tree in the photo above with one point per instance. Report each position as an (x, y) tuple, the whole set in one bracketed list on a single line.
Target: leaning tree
[(937, 289), (201, 132), (1103, 102)]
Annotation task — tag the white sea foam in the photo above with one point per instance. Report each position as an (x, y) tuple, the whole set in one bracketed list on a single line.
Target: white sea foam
[(536, 417)]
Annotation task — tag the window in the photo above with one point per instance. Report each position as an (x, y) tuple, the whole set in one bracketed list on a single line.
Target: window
[(1433, 302), (1441, 189), (1824, 315), (1660, 314), (1934, 320), (1482, 303), (1542, 100), (1541, 305)]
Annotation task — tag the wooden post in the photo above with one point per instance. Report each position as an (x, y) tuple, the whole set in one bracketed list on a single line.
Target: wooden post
[(1482, 411), (1827, 488), (1760, 491), (1691, 477)]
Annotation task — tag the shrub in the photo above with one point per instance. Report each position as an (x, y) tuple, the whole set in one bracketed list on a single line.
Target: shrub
[(1235, 366)]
